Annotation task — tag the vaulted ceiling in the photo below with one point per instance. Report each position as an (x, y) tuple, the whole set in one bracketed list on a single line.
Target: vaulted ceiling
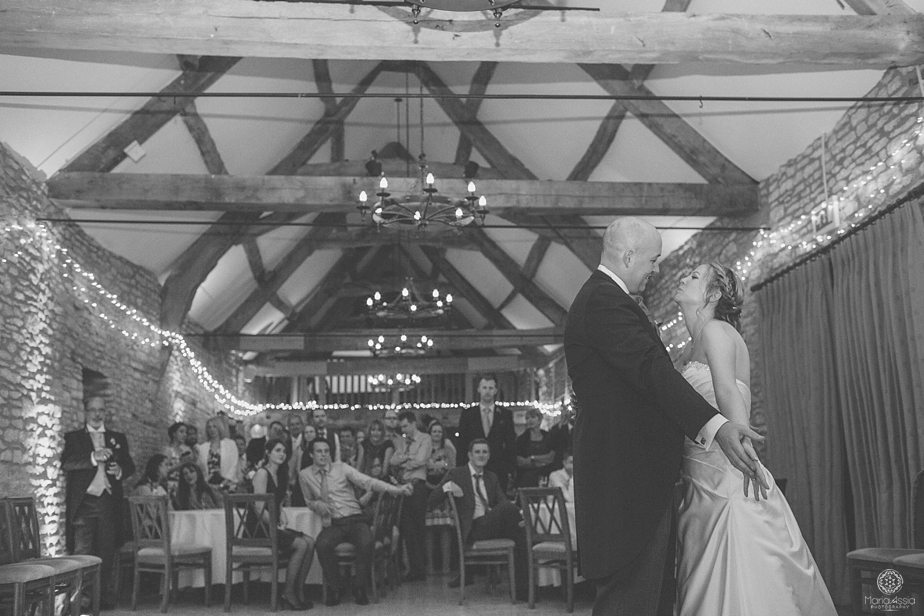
[(240, 196)]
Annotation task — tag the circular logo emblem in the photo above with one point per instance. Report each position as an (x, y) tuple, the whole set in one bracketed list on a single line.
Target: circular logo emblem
[(889, 581)]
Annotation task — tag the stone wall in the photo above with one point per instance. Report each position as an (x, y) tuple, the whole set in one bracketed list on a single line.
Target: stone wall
[(54, 327)]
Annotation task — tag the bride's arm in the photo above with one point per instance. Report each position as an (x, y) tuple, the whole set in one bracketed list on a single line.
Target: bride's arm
[(720, 348)]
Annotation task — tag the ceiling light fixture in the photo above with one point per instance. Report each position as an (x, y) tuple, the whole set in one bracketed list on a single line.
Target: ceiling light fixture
[(402, 346)]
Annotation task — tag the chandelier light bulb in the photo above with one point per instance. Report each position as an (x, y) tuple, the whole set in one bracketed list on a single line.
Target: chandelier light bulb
[(404, 292), (482, 201), (378, 296), (413, 307), (381, 339), (459, 213), (369, 302), (383, 183), (403, 337), (363, 197), (448, 298), (417, 215), (436, 294), (430, 179), (471, 187)]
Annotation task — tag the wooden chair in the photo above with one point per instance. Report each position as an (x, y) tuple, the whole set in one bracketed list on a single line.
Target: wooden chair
[(484, 552), (24, 584), (154, 553), (548, 537), (124, 560), (381, 542), (72, 573), (251, 542), (866, 564)]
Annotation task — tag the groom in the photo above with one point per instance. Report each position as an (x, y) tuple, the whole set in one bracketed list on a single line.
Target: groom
[(634, 409)]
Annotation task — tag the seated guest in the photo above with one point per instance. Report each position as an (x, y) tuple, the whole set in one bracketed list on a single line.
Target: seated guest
[(376, 449), (218, 456), (564, 477), (329, 489), (193, 492), (350, 453), (154, 478), (534, 452), (272, 478), (484, 510)]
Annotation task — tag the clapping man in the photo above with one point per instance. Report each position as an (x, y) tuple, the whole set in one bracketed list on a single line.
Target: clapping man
[(96, 462)]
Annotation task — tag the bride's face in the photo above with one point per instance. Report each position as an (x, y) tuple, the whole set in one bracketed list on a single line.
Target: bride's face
[(693, 287)]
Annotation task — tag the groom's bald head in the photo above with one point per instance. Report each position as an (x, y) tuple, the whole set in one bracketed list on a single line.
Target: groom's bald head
[(631, 249)]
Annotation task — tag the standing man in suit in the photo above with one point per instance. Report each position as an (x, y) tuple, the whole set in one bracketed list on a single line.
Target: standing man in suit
[(484, 510), (493, 424), (634, 409), (319, 419), (96, 462)]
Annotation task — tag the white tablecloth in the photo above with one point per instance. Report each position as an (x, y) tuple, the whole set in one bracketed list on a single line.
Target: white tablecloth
[(207, 527)]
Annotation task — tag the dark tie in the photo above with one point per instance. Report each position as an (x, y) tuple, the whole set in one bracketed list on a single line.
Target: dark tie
[(479, 490), (322, 434)]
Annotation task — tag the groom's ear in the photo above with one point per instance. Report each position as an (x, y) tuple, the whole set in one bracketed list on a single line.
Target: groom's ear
[(627, 257)]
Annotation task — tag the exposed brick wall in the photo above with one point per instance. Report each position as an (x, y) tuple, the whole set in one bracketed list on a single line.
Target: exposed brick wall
[(49, 335)]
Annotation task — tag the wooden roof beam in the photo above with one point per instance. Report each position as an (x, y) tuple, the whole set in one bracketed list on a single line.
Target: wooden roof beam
[(339, 194), (429, 365), (357, 32), (357, 340)]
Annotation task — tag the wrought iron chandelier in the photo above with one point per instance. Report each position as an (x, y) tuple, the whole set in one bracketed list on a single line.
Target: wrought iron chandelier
[(409, 305), (392, 382), (422, 204), (400, 346)]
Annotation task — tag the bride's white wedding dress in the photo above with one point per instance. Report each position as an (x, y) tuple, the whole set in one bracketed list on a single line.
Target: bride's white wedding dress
[(738, 556)]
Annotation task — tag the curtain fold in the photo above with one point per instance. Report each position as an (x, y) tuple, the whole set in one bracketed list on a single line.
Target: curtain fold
[(805, 440), (879, 327), (842, 342)]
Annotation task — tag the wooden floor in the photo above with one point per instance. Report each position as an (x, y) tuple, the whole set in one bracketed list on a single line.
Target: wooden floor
[(429, 598)]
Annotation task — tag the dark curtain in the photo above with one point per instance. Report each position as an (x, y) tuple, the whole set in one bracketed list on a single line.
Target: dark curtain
[(842, 339), (805, 432)]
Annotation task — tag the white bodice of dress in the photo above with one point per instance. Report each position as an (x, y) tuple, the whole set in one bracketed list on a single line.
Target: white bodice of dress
[(699, 376)]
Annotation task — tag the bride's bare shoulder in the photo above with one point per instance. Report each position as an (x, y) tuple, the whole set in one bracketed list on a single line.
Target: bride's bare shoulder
[(715, 327)]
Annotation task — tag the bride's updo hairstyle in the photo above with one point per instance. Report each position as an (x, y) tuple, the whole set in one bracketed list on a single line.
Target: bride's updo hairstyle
[(725, 281)]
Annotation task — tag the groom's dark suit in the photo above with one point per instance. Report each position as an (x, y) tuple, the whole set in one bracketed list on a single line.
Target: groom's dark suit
[(633, 409)]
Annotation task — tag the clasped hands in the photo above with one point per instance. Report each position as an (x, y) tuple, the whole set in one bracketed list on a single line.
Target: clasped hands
[(105, 455), (736, 441)]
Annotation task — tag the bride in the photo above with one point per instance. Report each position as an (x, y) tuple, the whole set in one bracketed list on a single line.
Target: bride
[(736, 556)]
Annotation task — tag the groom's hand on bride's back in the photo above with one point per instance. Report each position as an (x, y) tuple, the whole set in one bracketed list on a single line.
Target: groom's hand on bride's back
[(736, 441)]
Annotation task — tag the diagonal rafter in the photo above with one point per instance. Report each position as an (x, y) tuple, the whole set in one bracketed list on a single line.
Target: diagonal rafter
[(313, 311), (512, 272), (108, 152), (324, 83), (600, 144), (490, 147), (203, 138), (325, 128), (478, 87), (531, 266), (673, 130), (274, 280)]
